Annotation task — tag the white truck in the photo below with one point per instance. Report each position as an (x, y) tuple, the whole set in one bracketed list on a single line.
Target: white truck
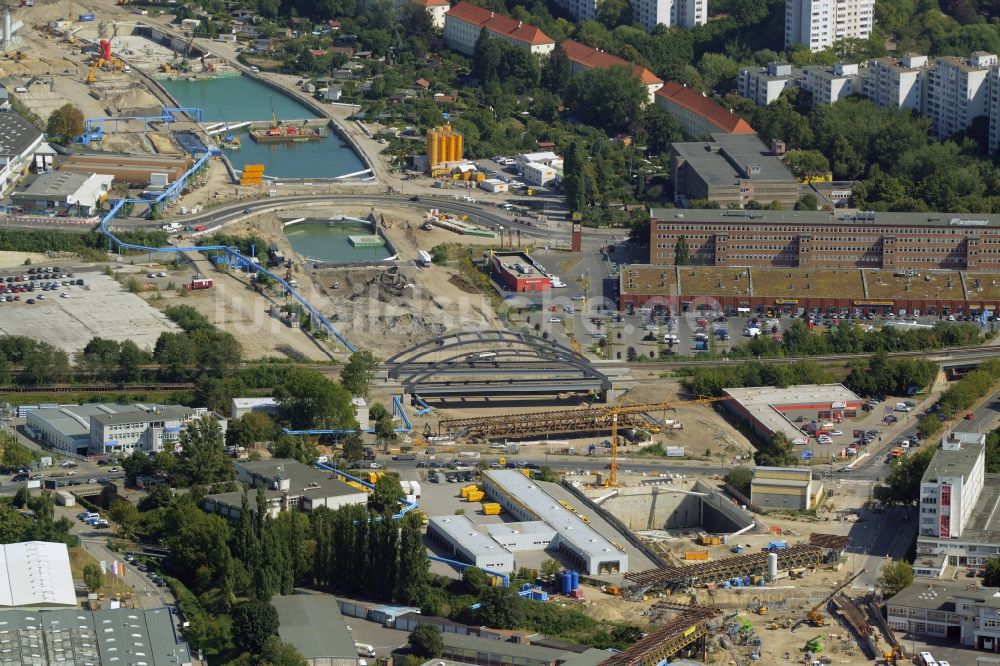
[(424, 258), (171, 226)]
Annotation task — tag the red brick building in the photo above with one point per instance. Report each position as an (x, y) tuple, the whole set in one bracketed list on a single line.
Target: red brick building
[(517, 271)]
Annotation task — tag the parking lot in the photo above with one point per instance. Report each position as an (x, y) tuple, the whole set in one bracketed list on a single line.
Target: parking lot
[(98, 307)]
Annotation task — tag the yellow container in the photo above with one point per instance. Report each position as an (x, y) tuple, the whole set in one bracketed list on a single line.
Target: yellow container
[(700, 555), (476, 496), (468, 489), (433, 148), (491, 508)]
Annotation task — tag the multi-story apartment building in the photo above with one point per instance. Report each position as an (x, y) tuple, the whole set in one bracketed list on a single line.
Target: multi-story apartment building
[(698, 115), (958, 91), (818, 24), (647, 13), (464, 22), (995, 109), (764, 85), (731, 170), (583, 57), (830, 84), (896, 83)]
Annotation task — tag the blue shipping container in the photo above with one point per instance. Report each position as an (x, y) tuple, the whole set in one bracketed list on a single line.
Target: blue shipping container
[(87, 17)]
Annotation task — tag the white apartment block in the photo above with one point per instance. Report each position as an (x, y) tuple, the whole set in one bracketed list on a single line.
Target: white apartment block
[(830, 84), (889, 82), (951, 485), (819, 23), (647, 13), (958, 91), (994, 109), (763, 86)]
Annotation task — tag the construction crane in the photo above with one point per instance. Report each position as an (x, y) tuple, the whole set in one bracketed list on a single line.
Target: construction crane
[(813, 616), (614, 411)]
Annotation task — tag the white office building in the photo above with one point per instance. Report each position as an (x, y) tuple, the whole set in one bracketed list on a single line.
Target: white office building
[(958, 91), (956, 612), (951, 485), (464, 541), (538, 174), (830, 84), (896, 83), (765, 85), (818, 24)]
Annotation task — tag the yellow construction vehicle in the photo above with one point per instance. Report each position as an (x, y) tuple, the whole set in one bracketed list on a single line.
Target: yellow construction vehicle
[(813, 616), (92, 74), (891, 656)]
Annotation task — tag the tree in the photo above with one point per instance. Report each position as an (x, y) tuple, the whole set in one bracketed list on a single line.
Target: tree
[(387, 492), (439, 254), (578, 177), (501, 608), (807, 201), (556, 71), (740, 478), (550, 567), (991, 573), (613, 13), (65, 124), (475, 580), (306, 399), (662, 129), (125, 514), (895, 577), (202, 458), (15, 455), (928, 426), (426, 641), (353, 447), (807, 163), (718, 71), (902, 486), (92, 577), (414, 564), (359, 372), (253, 623), (385, 430), (682, 255), (608, 98), (278, 653)]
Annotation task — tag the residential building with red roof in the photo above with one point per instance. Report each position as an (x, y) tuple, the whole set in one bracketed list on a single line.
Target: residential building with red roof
[(464, 22), (582, 57), (698, 115), (437, 9)]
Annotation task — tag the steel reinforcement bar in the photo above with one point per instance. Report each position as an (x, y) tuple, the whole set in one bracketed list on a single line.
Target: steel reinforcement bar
[(800, 555), (563, 421), (666, 641)]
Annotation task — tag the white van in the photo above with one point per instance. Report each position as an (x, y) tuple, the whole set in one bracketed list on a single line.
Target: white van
[(364, 650), (902, 407), (89, 516), (925, 659)]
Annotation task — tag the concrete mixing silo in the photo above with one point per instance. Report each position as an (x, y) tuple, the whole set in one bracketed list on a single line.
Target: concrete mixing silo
[(772, 566), (433, 149)]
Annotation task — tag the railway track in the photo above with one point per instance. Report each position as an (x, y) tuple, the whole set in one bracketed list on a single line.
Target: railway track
[(98, 388)]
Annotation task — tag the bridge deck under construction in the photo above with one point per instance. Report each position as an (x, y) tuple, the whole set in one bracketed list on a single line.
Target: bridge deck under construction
[(668, 640), (800, 555), (548, 423)]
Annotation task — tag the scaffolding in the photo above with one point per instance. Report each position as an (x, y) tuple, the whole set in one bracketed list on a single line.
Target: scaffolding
[(663, 643), (729, 568), (550, 423)]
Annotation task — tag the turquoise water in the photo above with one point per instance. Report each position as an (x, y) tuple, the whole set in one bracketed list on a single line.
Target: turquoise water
[(239, 98), (318, 240), (234, 99), (314, 159)]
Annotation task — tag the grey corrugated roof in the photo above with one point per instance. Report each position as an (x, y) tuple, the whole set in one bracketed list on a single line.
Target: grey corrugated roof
[(55, 184), (16, 134), (729, 156), (137, 415), (314, 625)]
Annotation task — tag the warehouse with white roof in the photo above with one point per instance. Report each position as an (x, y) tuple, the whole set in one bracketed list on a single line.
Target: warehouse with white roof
[(36, 574), (465, 542), (575, 539)]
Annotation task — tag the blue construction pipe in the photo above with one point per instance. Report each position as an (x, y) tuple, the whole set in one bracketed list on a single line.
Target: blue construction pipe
[(406, 505), (462, 566)]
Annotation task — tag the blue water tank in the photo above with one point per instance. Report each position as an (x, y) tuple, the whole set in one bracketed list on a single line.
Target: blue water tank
[(576, 579), (565, 583)]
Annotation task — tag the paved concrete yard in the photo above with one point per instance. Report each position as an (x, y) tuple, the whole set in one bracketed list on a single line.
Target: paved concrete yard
[(101, 307)]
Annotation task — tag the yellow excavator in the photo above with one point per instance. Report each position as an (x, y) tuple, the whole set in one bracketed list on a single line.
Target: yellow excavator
[(892, 656)]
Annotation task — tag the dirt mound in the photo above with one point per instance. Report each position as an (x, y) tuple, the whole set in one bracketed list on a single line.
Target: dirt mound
[(463, 283)]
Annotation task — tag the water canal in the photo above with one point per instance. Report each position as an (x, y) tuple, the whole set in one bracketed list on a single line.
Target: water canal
[(239, 98), (323, 240)]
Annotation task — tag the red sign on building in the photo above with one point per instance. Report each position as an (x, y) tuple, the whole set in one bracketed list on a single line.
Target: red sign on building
[(945, 495), (945, 526)]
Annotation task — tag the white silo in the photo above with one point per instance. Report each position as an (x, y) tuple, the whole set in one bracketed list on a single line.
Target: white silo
[(772, 566)]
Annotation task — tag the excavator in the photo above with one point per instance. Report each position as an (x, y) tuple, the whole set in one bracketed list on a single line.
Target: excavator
[(104, 61), (813, 616), (892, 656)]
